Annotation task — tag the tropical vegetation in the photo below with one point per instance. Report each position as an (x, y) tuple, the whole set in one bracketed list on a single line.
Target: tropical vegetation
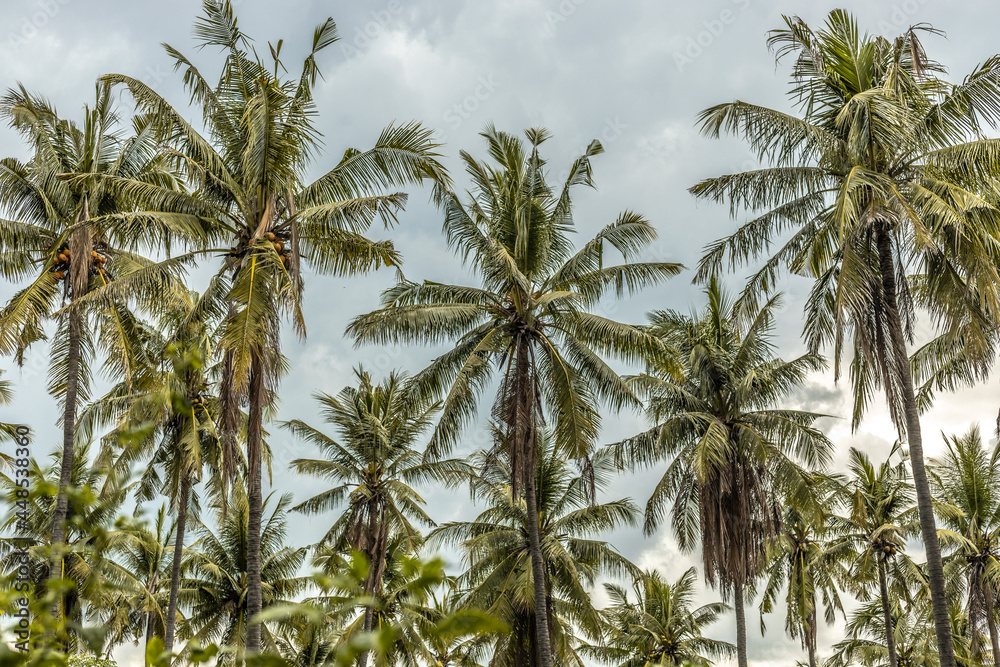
[(473, 511)]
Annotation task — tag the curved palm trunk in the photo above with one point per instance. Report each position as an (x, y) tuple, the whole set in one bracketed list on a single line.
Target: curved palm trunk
[(255, 498), (538, 574), (741, 626), (890, 627), (928, 529), (175, 569)]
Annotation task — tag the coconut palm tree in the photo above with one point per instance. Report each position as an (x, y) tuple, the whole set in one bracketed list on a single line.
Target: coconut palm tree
[(141, 556), (809, 571), (884, 167), (396, 609), (374, 465), (500, 578), (734, 453), (216, 585), (864, 643), (266, 219), (530, 321), (660, 627), (308, 644), (167, 418), (880, 517), (69, 238), (967, 477), (466, 633)]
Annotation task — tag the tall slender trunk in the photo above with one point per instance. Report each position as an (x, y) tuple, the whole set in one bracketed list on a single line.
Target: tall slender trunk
[(66, 469), (80, 246), (175, 568), (810, 633), (69, 423), (376, 556), (741, 625), (928, 529), (255, 499), (538, 573), (366, 628), (991, 622), (890, 626)]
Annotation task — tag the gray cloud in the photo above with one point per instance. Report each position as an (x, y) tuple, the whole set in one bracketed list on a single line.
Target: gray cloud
[(633, 73)]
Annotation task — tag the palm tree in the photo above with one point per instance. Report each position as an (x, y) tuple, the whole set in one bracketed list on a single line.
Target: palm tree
[(733, 453), (216, 586), (500, 578), (469, 631), (308, 644), (373, 466), (396, 609), (864, 643), (141, 563), (167, 416), (660, 627), (967, 477), (530, 321), (70, 238), (250, 172), (884, 169), (880, 518), (807, 568)]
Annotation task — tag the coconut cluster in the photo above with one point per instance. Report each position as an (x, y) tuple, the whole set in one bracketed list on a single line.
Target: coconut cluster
[(63, 260), (885, 546), (280, 241), (282, 246), (198, 402)]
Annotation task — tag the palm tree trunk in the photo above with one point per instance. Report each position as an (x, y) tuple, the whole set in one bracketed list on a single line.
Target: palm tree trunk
[(69, 423), (366, 628), (810, 635), (175, 569), (992, 624), (255, 499), (890, 626), (538, 573), (66, 469), (928, 529), (741, 625), (376, 556)]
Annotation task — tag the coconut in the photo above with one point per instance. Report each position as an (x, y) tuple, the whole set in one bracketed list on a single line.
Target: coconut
[(271, 236), (59, 275)]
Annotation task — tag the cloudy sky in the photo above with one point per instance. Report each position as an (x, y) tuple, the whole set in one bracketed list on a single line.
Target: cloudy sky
[(633, 74)]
